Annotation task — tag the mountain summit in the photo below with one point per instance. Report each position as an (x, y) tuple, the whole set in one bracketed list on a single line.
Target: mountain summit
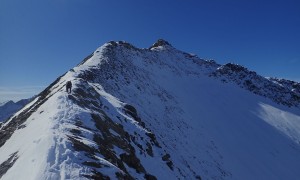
[(156, 113), (161, 42)]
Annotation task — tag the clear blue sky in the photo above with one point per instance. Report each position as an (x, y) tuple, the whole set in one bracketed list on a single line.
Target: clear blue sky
[(42, 39)]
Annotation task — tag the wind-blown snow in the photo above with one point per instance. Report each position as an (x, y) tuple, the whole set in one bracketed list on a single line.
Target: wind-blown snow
[(158, 112)]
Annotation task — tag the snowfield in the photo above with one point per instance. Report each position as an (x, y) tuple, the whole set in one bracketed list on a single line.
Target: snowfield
[(156, 113)]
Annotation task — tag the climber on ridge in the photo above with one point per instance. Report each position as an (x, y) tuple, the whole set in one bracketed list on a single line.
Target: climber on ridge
[(69, 87)]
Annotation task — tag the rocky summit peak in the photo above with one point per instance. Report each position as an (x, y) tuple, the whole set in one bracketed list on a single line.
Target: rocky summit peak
[(161, 42), (116, 43)]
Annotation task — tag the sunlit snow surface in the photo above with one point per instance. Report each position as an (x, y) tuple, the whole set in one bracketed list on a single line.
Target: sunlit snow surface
[(283, 120)]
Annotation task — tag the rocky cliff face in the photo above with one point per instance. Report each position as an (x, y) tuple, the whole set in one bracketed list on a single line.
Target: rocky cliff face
[(156, 113)]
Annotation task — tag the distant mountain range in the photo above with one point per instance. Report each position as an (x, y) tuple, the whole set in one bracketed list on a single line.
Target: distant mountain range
[(8, 108), (155, 113)]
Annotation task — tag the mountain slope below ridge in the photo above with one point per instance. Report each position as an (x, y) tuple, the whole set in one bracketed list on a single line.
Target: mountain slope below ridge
[(157, 112)]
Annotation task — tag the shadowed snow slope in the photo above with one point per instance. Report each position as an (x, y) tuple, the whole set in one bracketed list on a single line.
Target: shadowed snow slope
[(155, 113)]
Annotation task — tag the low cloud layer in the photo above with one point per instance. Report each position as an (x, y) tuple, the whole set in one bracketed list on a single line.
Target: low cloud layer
[(18, 93)]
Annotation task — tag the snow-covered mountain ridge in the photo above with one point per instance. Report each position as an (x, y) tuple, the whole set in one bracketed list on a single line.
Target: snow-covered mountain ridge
[(156, 113), (279, 90)]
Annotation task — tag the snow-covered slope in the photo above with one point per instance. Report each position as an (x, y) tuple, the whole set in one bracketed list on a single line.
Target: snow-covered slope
[(9, 108), (156, 113)]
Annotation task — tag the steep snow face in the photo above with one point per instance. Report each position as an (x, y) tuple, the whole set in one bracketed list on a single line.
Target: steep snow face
[(156, 113)]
